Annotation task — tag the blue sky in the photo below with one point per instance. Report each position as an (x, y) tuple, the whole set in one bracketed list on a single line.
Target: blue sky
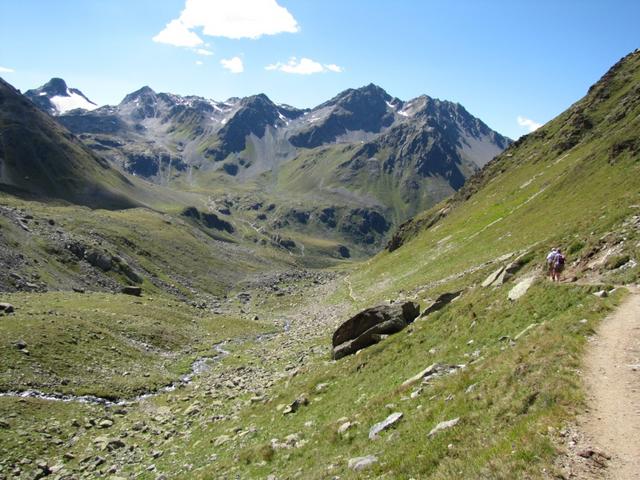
[(500, 59)]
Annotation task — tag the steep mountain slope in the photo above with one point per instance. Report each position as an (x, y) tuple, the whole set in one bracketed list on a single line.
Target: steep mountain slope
[(55, 98), (39, 156)]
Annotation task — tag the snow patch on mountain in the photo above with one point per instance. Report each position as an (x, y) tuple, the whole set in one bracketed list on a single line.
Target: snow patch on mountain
[(71, 101)]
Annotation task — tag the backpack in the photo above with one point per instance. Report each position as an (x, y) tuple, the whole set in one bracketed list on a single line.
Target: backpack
[(559, 260)]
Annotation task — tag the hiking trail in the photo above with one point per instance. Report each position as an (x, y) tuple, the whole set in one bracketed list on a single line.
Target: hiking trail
[(612, 379)]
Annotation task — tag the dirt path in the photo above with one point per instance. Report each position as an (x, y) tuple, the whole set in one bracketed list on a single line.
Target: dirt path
[(612, 376)]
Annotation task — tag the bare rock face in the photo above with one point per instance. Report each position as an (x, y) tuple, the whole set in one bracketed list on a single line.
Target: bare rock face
[(369, 326)]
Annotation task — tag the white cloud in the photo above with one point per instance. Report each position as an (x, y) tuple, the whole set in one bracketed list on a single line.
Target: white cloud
[(199, 63), (528, 123), (227, 18), (234, 65), (332, 67), (203, 51), (178, 34), (6, 70), (304, 66)]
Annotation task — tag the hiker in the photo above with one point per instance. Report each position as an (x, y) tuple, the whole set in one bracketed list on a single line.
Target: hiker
[(550, 261), (558, 265)]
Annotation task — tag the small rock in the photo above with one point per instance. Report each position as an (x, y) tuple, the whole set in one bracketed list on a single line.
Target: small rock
[(114, 444), (387, 423), (221, 440), (6, 308), (106, 423), (362, 463), (444, 426), (344, 427), (192, 409), (132, 290), (530, 327), (20, 344), (302, 400)]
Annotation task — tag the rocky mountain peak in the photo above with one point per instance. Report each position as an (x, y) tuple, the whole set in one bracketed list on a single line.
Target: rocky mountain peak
[(144, 93), (55, 86), (55, 97)]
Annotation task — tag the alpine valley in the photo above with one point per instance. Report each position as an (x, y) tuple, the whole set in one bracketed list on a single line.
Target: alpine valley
[(233, 289)]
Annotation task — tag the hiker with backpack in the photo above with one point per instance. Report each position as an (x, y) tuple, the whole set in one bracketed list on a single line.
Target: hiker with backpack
[(550, 261), (558, 265)]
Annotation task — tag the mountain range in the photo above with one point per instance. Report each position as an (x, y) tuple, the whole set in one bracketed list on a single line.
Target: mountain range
[(347, 170)]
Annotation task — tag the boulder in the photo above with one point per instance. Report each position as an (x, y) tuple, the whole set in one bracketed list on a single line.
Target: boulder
[(491, 279), (367, 327), (132, 290), (503, 274), (441, 302), (99, 259), (521, 288)]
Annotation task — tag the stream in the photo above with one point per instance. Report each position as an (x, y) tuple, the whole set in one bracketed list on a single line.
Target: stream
[(200, 365)]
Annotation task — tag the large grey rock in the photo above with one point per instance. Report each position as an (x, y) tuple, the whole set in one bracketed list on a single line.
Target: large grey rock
[(521, 288), (504, 273), (367, 327), (441, 302), (387, 423), (491, 279)]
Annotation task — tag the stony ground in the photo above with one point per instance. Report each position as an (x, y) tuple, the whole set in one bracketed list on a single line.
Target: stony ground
[(150, 437)]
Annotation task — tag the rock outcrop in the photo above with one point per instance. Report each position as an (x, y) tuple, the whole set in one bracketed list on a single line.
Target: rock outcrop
[(367, 327), (442, 301)]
